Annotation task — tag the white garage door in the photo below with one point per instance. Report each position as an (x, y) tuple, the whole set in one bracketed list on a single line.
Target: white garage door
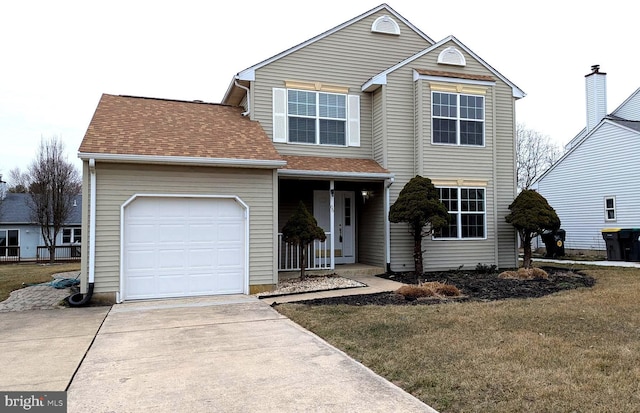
[(178, 247)]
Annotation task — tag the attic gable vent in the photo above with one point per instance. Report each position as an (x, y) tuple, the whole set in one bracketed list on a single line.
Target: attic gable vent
[(385, 24), (451, 56)]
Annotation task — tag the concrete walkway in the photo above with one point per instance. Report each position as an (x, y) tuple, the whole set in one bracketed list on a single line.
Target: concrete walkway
[(222, 354), (373, 284)]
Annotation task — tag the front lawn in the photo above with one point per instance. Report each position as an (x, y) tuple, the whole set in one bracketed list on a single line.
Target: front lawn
[(15, 276), (572, 351)]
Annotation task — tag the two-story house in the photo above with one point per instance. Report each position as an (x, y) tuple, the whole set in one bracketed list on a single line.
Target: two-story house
[(188, 198), (592, 186)]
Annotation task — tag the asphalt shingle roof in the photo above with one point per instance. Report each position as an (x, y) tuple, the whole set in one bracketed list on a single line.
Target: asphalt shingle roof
[(128, 125), (14, 209), (325, 164)]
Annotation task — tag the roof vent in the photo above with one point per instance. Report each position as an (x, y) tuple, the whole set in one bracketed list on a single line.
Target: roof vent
[(385, 24), (451, 56)]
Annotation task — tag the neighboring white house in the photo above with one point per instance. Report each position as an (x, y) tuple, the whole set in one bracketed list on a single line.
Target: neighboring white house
[(595, 184)]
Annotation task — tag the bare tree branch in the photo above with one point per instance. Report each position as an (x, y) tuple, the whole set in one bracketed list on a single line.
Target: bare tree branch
[(53, 182), (535, 154)]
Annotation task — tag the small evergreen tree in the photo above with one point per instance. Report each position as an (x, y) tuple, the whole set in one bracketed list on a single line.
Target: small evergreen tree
[(419, 205), (301, 230), (531, 214)]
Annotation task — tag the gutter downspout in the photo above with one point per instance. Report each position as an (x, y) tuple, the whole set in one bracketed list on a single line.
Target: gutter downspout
[(387, 225), (79, 299), (248, 97)]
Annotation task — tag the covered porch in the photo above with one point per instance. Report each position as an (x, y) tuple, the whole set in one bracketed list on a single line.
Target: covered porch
[(349, 199)]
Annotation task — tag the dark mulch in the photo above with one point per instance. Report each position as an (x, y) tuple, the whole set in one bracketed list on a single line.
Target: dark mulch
[(474, 286)]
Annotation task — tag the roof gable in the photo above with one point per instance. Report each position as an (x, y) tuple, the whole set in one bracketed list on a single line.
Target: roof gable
[(248, 74), (142, 129), (630, 108), (381, 78)]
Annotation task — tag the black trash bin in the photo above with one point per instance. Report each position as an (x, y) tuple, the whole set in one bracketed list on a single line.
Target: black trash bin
[(611, 238), (554, 242), (630, 244)]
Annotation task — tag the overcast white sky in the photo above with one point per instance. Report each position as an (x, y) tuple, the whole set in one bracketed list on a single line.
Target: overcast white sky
[(58, 57)]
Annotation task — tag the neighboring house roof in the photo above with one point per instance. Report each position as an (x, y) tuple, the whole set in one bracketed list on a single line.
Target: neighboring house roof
[(14, 209), (336, 167), (249, 73), (138, 129), (381, 78)]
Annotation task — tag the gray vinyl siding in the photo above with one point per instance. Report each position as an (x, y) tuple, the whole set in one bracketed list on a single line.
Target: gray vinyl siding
[(630, 110), (348, 57), (371, 238), (116, 183), (605, 164), (409, 114)]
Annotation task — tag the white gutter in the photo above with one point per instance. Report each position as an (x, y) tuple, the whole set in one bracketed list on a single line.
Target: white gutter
[(92, 221), (183, 160), (336, 175), (248, 97)]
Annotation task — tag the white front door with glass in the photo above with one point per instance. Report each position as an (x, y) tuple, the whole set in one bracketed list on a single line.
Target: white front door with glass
[(343, 224)]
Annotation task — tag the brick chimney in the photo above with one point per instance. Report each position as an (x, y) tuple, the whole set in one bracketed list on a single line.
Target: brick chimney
[(596, 87)]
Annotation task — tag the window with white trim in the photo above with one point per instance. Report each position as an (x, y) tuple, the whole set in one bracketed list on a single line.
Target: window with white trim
[(316, 117), (457, 119), (71, 235), (610, 208), (467, 213), (9, 242)]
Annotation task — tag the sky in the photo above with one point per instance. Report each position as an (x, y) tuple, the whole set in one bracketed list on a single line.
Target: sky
[(58, 57)]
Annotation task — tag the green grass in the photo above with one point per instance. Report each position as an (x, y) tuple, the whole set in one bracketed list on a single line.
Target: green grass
[(574, 351), (16, 276)]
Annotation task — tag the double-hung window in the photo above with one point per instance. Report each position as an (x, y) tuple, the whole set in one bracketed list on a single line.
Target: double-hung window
[(317, 117), (467, 213), (71, 235), (457, 119), (610, 208)]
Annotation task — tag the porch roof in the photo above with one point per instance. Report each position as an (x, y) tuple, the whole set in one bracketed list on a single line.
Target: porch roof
[(328, 167)]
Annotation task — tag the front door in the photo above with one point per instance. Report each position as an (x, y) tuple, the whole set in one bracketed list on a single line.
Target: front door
[(344, 222)]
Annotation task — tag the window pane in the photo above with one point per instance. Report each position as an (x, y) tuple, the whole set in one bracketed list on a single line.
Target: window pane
[(444, 131), (3, 238), (471, 107), (302, 103), (445, 105), (77, 235), (471, 133), (302, 130), (609, 202), (472, 225), (12, 239), (332, 132), (333, 106), (449, 197), (611, 214)]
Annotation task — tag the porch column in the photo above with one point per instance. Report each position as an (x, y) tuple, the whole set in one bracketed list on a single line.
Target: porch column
[(332, 235)]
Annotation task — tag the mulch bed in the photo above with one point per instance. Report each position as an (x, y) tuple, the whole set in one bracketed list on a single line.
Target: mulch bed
[(474, 286)]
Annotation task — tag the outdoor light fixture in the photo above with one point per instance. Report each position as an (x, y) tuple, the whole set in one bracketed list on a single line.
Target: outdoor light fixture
[(366, 194)]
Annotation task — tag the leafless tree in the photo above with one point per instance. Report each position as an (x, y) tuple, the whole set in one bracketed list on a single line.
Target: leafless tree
[(18, 181), (535, 154), (53, 182)]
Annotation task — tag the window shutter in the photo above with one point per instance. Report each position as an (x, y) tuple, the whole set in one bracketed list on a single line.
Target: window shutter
[(353, 121), (279, 115)]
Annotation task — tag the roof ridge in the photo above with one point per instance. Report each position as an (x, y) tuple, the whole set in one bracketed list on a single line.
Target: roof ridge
[(197, 101)]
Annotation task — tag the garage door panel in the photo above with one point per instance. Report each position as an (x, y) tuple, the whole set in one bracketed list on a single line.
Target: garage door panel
[(176, 247)]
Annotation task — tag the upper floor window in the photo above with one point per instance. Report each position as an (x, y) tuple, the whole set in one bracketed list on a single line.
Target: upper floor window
[(467, 212), (316, 117), (610, 208), (457, 119)]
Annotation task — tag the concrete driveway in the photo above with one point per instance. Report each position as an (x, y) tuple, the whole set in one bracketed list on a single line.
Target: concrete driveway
[(222, 354), (40, 350)]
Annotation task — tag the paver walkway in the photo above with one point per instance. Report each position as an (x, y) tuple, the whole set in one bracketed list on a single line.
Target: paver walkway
[(38, 297)]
